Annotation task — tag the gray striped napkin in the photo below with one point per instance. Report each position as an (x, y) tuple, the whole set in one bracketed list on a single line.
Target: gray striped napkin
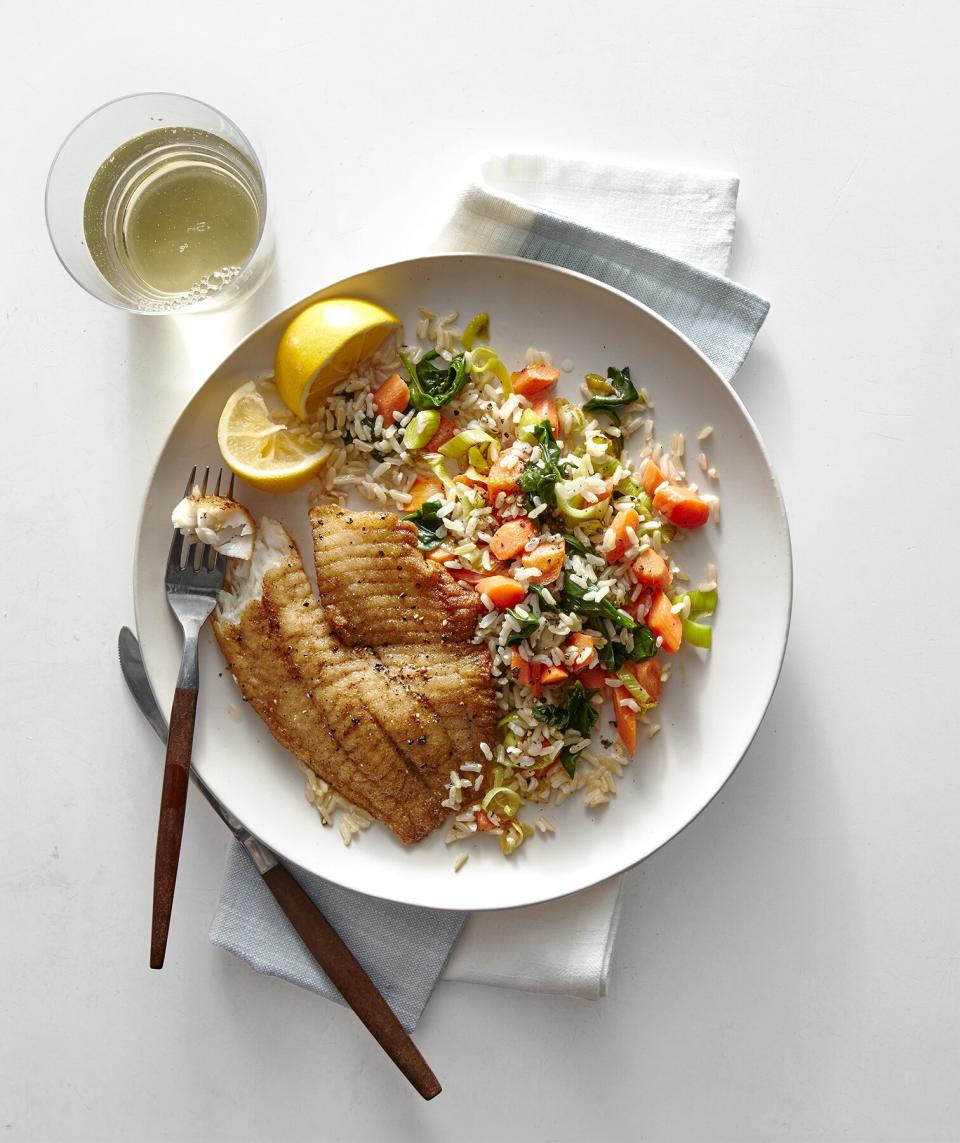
[(664, 237)]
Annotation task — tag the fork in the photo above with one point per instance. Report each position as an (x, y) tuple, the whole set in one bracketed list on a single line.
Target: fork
[(194, 576)]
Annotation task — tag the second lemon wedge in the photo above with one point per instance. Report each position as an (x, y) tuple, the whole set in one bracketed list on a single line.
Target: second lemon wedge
[(263, 442), (323, 345)]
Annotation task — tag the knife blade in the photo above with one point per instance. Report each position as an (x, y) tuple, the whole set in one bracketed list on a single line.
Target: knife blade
[(321, 939)]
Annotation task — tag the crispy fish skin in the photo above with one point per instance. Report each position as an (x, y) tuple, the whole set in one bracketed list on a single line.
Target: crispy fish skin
[(378, 588), (273, 687), (368, 706), (321, 722), (456, 682), (386, 719), (275, 690)]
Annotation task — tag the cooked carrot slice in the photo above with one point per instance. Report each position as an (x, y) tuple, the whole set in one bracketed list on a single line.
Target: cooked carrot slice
[(446, 431), (467, 575), (546, 410), (594, 679), (440, 555), (482, 818), (662, 621), (501, 590), (626, 720), (391, 397), (553, 675), (504, 475), (536, 679), (681, 507), (526, 673), (534, 379), (521, 669), (509, 539), (582, 643), (422, 489), (647, 675), (548, 557), (652, 478), (624, 519), (651, 570)]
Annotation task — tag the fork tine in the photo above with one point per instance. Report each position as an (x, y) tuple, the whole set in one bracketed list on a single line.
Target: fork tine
[(233, 477), (176, 549), (219, 481), (206, 477), (190, 482)]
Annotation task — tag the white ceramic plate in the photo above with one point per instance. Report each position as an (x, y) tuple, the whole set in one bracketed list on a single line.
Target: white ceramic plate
[(712, 705)]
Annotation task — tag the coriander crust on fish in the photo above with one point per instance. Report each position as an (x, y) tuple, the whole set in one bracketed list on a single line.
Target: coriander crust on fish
[(384, 730), (378, 587)]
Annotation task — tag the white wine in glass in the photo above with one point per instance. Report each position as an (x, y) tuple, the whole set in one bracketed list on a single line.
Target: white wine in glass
[(156, 203), (172, 217)]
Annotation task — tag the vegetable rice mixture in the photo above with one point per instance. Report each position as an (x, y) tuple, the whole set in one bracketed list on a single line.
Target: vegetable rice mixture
[(535, 502)]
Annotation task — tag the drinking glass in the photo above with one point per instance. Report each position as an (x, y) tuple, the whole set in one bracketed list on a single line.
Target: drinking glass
[(156, 203)]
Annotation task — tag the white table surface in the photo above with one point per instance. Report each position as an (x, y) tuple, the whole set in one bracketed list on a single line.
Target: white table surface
[(789, 967)]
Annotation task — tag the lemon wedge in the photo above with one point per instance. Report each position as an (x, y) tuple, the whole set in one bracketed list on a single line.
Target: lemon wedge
[(323, 345), (262, 441)]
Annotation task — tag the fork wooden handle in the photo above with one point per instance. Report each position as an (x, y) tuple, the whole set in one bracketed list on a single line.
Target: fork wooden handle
[(173, 805), (351, 980)]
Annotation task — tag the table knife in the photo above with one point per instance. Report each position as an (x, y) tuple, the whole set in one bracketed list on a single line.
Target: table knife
[(316, 932)]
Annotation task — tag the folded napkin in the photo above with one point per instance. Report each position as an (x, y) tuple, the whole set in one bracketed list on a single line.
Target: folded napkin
[(663, 237)]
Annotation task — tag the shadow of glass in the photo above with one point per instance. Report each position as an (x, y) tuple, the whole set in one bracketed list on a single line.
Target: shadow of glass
[(169, 358)]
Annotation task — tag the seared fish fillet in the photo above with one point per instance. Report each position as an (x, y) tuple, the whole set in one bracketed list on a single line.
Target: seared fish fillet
[(455, 681), (334, 708), (358, 693), (379, 589)]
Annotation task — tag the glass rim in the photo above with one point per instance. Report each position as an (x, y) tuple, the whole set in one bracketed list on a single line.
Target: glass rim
[(116, 301)]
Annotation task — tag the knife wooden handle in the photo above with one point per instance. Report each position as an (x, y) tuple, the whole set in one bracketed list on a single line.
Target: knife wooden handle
[(347, 974), (173, 805)]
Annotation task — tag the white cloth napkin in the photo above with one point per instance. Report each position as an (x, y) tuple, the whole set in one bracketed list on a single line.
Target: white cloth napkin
[(665, 238), (685, 214), (563, 946)]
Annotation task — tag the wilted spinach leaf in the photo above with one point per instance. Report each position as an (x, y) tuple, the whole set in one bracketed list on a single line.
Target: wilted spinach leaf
[(571, 598), (576, 713), (428, 523), (540, 479), (623, 392), (434, 385), (527, 627)]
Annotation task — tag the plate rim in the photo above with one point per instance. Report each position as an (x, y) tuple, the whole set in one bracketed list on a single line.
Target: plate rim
[(508, 259)]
